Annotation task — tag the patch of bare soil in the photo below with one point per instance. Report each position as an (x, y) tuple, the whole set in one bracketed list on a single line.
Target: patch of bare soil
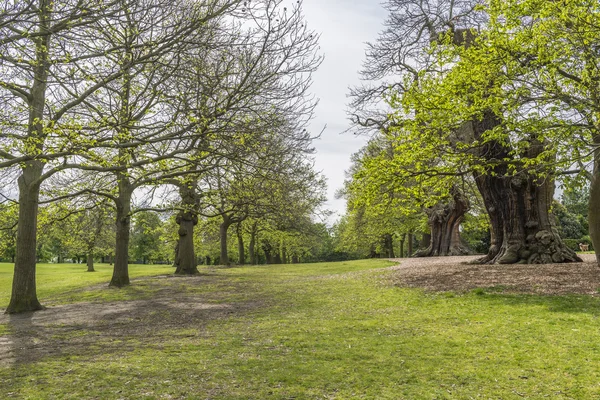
[(441, 274), (100, 328)]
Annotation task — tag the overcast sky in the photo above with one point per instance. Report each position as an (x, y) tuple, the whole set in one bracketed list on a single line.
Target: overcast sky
[(344, 26)]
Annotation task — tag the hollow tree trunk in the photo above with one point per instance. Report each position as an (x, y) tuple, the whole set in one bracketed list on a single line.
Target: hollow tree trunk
[(120, 275), (522, 230), (444, 221), (24, 295), (223, 238), (185, 255)]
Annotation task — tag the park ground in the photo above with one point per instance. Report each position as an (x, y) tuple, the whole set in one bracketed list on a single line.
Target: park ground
[(370, 329)]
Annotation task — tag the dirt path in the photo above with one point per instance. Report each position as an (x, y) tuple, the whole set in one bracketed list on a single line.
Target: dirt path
[(90, 328), (453, 274)]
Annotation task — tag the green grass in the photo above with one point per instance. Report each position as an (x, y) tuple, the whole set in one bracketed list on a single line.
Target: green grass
[(315, 331), (58, 279)]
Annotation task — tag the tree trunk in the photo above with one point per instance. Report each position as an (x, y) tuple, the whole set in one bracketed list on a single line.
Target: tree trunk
[(522, 230), (284, 257), (267, 248), (24, 295), (444, 221), (120, 275), (402, 245), (295, 259), (185, 255), (594, 201), (410, 242), (252, 244), (241, 250), (90, 263), (223, 237), (388, 245)]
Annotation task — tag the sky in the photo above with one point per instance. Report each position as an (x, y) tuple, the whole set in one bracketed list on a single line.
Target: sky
[(345, 26)]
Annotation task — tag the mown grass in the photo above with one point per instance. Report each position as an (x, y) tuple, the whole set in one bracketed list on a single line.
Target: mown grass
[(328, 331)]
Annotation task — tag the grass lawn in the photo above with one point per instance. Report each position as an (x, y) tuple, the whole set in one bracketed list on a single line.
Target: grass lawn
[(311, 331)]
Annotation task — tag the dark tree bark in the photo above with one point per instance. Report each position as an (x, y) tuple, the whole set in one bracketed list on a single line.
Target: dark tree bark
[(24, 296), (522, 230), (410, 243), (444, 222), (185, 255), (120, 275), (267, 249), (223, 228), (295, 259), (277, 258), (252, 245), (241, 250), (402, 245), (388, 245), (90, 263), (594, 201)]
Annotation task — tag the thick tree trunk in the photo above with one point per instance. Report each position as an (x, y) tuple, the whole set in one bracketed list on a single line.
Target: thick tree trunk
[(522, 230), (410, 243), (444, 222), (120, 275), (90, 263), (185, 254), (594, 201), (24, 295), (267, 249), (223, 228), (389, 245)]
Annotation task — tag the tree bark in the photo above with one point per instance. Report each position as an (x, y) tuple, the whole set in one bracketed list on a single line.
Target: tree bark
[(90, 263), (594, 201), (241, 250), (185, 255), (223, 237), (267, 249), (444, 222), (410, 243), (388, 245), (120, 275), (522, 230), (252, 245), (24, 295)]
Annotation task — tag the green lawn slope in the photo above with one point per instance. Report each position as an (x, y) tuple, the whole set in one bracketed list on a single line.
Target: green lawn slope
[(308, 331)]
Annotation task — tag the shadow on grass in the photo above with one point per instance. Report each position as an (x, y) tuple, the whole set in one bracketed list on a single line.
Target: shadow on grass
[(161, 310), (554, 303)]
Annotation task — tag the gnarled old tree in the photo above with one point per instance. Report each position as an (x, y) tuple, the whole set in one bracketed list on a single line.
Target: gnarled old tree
[(427, 44), (444, 222)]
